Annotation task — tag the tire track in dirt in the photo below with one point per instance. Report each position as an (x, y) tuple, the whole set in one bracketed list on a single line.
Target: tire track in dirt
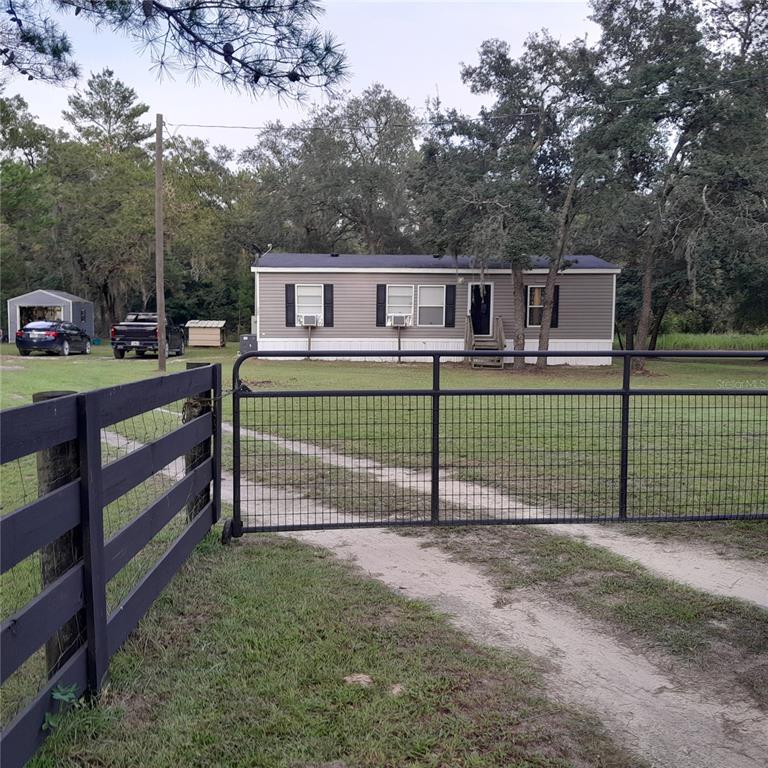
[(693, 564), (669, 724)]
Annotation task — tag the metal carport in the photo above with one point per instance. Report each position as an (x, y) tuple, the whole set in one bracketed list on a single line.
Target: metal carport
[(48, 304)]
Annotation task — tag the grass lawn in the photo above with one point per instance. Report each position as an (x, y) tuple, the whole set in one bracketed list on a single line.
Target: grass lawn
[(739, 341), (20, 377), (242, 662)]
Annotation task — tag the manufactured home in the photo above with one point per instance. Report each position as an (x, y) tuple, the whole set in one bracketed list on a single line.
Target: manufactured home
[(388, 302)]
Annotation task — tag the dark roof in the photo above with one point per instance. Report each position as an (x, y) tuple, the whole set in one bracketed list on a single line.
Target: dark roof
[(410, 261)]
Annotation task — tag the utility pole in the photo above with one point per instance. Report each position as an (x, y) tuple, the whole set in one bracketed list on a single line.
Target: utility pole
[(159, 260)]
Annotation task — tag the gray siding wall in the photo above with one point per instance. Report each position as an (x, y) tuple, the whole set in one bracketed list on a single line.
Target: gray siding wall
[(586, 304), (82, 316)]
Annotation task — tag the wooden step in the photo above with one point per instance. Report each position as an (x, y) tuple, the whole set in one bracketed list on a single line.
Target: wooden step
[(487, 362)]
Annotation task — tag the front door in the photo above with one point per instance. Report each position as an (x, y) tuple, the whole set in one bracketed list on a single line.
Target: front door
[(480, 308)]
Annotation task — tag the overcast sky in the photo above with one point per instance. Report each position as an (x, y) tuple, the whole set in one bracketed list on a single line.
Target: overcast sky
[(414, 48)]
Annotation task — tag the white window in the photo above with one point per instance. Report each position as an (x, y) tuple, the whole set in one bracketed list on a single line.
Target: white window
[(400, 300), (431, 305), (309, 301), (535, 305)]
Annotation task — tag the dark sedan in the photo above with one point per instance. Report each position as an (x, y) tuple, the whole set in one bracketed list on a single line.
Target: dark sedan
[(52, 337)]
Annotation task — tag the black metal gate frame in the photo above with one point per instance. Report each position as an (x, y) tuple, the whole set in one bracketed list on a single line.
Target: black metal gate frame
[(436, 393)]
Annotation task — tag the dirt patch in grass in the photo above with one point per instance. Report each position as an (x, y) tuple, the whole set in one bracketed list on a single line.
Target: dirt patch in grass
[(729, 538), (721, 643), (137, 710)]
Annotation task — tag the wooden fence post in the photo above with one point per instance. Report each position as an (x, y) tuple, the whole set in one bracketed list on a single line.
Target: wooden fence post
[(217, 432), (58, 466), (95, 583), (194, 407)]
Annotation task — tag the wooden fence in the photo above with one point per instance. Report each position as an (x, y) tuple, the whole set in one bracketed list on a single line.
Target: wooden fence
[(76, 508)]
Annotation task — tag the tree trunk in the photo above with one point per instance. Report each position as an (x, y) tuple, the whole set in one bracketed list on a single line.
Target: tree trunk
[(146, 294), (629, 335), (556, 256), (646, 309), (657, 321), (109, 306), (518, 316)]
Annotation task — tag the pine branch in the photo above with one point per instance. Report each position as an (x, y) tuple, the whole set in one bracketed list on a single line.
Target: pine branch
[(256, 47)]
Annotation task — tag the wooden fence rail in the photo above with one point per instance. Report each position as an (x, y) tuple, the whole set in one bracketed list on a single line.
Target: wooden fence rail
[(79, 505)]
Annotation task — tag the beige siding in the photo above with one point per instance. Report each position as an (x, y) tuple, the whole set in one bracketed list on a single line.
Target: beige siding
[(586, 305), (204, 337)]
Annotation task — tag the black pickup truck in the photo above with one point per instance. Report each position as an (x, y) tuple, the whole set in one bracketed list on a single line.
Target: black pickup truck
[(138, 332)]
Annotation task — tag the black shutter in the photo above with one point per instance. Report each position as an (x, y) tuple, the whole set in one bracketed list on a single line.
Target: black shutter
[(290, 305), (381, 305), (525, 306), (556, 308), (450, 306), (328, 305)]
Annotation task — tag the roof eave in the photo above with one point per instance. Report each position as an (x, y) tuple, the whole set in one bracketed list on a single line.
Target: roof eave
[(436, 270)]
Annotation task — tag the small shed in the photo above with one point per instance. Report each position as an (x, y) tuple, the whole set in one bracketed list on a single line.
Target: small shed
[(47, 304), (206, 333)]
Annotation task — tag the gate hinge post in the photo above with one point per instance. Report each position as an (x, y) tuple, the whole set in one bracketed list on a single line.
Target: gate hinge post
[(435, 474), (624, 447)]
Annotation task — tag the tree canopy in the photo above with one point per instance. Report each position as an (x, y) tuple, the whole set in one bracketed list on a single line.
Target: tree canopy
[(107, 113)]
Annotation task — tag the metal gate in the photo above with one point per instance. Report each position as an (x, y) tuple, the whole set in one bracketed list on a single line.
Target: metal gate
[(483, 455)]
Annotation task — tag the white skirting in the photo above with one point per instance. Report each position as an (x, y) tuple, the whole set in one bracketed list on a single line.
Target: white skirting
[(571, 345), (439, 345)]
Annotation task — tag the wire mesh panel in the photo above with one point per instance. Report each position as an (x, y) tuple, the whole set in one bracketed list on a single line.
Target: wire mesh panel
[(698, 456), (125, 438), (451, 456), (334, 460), (525, 458)]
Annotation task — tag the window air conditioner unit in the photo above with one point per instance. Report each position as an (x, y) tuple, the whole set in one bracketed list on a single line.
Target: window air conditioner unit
[(399, 321), (309, 321)]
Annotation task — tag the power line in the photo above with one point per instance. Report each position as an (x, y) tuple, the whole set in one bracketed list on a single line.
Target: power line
[(347, 126), (465, 119)]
